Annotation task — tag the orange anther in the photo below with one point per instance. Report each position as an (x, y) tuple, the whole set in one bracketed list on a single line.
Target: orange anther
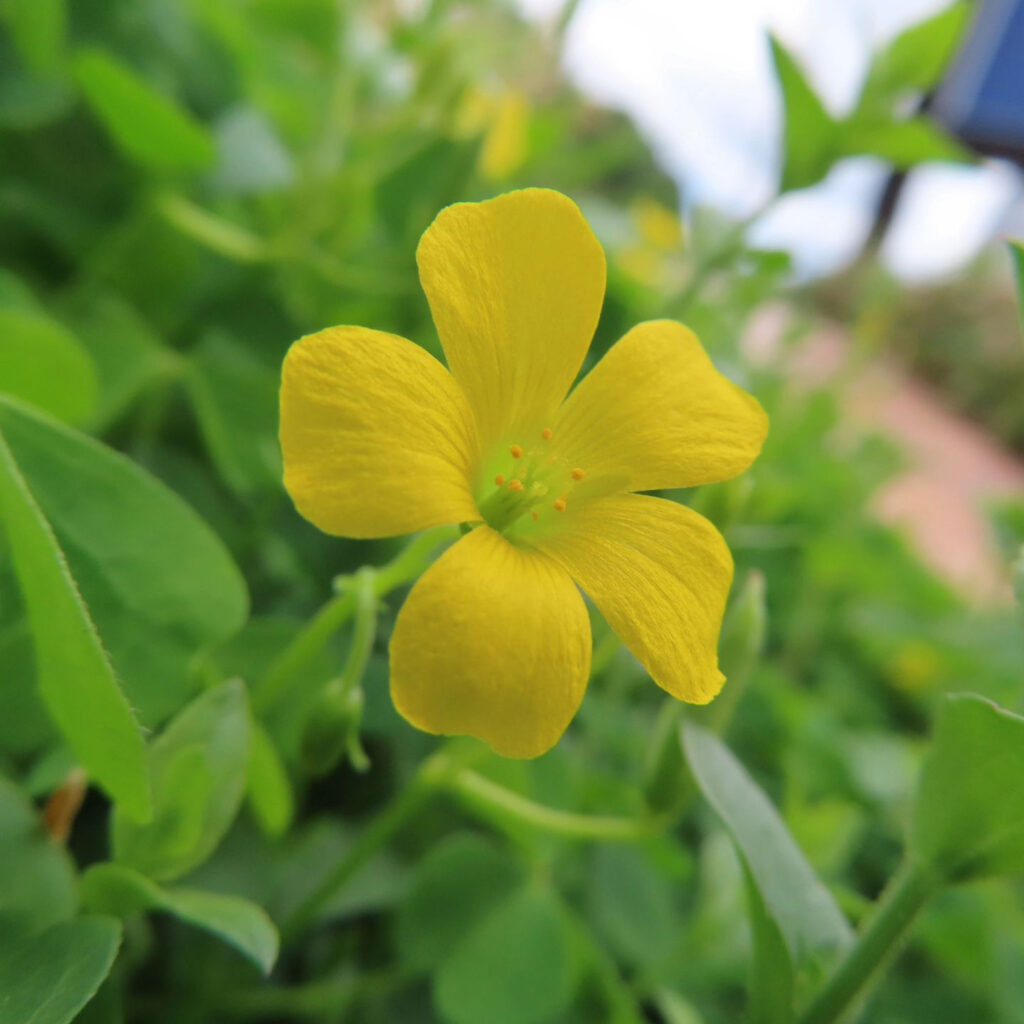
[(535, 516), (560, 504), (578, 474), (515, 485), (517, 451), (499, 481), (546, 433)]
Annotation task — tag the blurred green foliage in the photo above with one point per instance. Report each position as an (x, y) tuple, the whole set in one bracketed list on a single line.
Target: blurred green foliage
[(186, 186)]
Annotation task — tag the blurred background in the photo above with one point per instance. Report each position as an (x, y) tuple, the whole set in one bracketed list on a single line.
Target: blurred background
[(822, 191)]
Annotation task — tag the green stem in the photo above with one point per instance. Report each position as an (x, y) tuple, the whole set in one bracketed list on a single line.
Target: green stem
[(502, 806), (430, 778), (412, 560), (875, 945)]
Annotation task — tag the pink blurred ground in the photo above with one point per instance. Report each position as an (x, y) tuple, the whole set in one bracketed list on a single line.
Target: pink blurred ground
[(954, 468)]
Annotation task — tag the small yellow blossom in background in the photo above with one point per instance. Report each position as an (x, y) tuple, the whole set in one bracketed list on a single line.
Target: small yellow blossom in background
[(503, 119), (380, 439), (659, 237)]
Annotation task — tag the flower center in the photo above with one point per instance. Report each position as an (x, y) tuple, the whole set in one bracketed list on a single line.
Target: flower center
[(526, 486)]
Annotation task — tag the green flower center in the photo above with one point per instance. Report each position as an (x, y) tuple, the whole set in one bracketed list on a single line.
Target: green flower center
[(524, 489)]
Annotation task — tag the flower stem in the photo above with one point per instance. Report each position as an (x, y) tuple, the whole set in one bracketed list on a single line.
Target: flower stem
[(502, 806), (412, 560), (875, 945), (429, 779)]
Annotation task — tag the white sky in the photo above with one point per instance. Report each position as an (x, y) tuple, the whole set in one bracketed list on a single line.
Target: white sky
[(696, 77)]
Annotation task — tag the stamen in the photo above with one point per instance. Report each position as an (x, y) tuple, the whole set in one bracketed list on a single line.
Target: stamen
[(546, 433), (515, 485), (517, 451), (578, 474), (535, 516), (559, 504), (499, 481)]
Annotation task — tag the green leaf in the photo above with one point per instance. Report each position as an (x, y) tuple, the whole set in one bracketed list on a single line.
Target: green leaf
[(268, 788), (1017, 254), (47, 977), (515, 967), (235, 399), (969, 812), (914, 60), (771, 968), (74, 673), (38, 28), (156, 581), (811, 923), (808, 130), (121, 891), (632, 904), (37, 877), (453, 888), (904, 144), (148, 127), (45, 364), (198, 769)]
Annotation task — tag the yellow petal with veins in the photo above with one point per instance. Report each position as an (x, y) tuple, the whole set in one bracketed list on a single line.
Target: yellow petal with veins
[(515, 285), (493, 642), (660, 574), (377, 437), (656, 413)]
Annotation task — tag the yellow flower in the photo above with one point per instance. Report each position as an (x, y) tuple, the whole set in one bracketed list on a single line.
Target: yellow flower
[(380, 439)]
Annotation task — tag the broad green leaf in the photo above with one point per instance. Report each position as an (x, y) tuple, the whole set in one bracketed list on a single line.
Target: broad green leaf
[(37, 877), (811, 923), (808, 130), (914, 60), (38, 28), (969, 812), (16, 294), (632, 904), (121, 891), (235, 399), (46, 365), (198, 770), (904, 144), (1017, 254), (47, 977), (157, 582), (451, 891), (515, 967), (147, 126), (74, 673), (771, 968), (268, 788), (25, 724)]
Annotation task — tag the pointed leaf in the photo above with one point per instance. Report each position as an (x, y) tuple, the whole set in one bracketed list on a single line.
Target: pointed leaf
[(122, 891), (74, 673), (47, 977), (808, 130), (811, 923), (147, 126), (269, 789), (198, 770), (771, 967), (904, 144)]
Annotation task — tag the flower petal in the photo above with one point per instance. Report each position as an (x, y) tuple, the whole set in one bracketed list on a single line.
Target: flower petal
[(656, 413), (660, 574), (515, 285), (493, 642), (377, 437)]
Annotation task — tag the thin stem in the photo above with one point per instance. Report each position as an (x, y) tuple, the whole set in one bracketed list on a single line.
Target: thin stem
[(502, 806), (875, 945), (404, 567), (430, 778)]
